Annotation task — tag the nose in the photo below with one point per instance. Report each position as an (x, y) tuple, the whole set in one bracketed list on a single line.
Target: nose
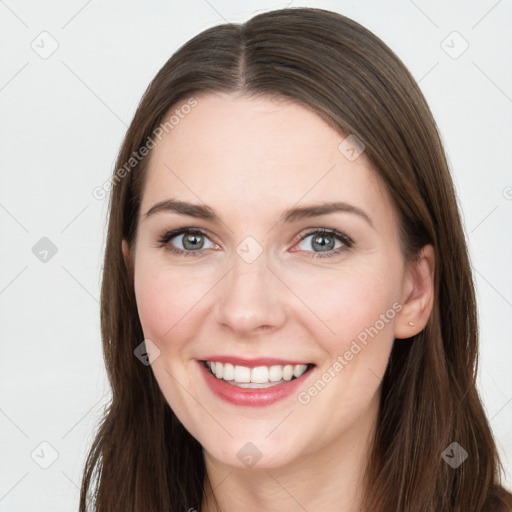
[(250, 300)]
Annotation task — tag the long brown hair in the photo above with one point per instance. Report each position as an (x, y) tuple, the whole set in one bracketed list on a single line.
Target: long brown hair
[(142, 458)]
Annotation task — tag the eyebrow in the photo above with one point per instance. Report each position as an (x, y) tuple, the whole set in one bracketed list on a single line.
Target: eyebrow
[(292, 215)]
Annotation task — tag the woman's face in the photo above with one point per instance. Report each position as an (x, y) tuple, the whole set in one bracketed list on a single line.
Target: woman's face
[(253, 285)]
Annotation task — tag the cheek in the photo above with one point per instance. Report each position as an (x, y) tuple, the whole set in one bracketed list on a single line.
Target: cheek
[(167, 301), (349, 302)]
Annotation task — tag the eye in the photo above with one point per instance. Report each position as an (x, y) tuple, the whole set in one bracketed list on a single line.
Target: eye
[(192, 242), (324, 240), (188, 241)]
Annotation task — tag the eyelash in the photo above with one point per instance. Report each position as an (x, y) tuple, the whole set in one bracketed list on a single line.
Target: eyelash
[(163, 241)]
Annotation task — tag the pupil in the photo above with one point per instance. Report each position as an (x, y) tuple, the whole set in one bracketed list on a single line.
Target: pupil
[(193, 241), (323, 245)]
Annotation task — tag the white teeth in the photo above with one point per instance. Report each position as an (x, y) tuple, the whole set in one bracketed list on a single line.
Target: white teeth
[(242, 373), (229, 372), (299, 369), (275, 373), (288, 372), (257, 375)]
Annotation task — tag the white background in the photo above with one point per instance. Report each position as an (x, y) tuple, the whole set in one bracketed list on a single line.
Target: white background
[(62, 121)]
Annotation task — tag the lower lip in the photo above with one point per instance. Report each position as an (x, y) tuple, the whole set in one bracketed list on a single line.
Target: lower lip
[(249, 396)]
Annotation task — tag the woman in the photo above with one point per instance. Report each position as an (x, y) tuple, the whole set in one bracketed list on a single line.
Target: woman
[(288, 313)]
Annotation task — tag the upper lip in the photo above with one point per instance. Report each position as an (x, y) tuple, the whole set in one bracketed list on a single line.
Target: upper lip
[(251, 363)]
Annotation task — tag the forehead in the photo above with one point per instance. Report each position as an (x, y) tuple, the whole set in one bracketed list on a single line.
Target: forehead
[(258, 153)]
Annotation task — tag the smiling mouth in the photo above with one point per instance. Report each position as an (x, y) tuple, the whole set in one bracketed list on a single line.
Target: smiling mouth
[(257, 377)]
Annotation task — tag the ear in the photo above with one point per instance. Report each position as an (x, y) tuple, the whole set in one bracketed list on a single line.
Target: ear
[(418, 294), (127, 257)]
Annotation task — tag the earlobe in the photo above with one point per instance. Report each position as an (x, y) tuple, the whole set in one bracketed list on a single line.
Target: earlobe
[(126, 255), (126, 250), (418, 294)]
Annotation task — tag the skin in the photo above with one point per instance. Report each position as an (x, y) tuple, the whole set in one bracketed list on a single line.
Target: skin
[(250, 160)]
